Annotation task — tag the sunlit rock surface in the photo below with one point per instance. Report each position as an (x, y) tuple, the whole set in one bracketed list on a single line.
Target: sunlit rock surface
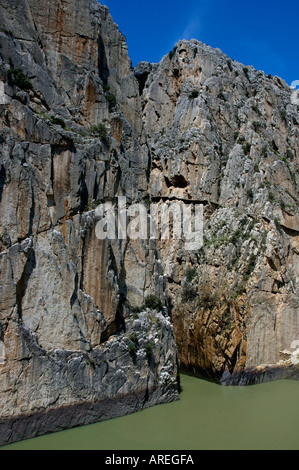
[(89, 328)]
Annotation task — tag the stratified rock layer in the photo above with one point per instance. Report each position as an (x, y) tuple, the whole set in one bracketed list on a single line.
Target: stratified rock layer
[(80, 338)]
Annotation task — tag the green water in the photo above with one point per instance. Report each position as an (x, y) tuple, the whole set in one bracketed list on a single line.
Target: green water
[(207, 417)]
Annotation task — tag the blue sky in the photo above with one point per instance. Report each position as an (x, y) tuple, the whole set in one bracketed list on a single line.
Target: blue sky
[(259, 33)]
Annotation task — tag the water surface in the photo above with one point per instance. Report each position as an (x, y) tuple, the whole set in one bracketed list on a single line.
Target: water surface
[(207, 417)]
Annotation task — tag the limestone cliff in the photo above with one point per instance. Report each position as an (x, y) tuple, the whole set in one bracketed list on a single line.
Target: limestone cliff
[(226, 136), (73, 350), (90, 328)]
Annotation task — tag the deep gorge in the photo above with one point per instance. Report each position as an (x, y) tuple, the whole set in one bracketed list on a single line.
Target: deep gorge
[(80, 127)]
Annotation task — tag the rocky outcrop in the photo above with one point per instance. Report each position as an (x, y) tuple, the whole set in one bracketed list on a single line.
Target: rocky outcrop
[(70, 137), (91, 328), (226, 136)]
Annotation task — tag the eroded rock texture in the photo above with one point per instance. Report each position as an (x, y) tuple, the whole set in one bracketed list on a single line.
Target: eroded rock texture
[(79, 341), (71, 136), (226, 136)]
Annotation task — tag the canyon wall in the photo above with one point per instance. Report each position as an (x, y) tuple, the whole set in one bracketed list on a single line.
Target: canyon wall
[(75, 351), (226, 136)]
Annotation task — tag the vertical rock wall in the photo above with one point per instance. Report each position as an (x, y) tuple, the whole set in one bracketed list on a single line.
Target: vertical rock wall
[(74, 350), (81, 339), (226, 136)]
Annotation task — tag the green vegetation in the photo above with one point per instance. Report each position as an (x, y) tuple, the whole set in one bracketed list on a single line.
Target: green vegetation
[(111, 101), (189, 292), (91, 205), (271, 197), (285, 160), (99, 130), (246, 70), (229, 64), (136, 310), (221, 96), (172, 53), (265, 151), (110, 98), (189, 289), (209, 294), (246, 148), (239, 235), (277, 223), (240, 289), (149, 348), (264, 240), (90, 362), (256, 110), (153, 302), (18, 78), (257, 125), (279, 81), (8, 32), (250, 194), (134, 337), (133, 346), (58, 121), (214, 292), (194, 94), (235, 238), (54, 120), (283, 114), (282, 204)]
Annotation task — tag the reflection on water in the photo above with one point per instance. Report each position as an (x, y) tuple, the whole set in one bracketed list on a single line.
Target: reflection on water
[(208, 416)]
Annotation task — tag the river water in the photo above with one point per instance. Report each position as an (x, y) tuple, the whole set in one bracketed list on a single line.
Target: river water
[(207, 417)]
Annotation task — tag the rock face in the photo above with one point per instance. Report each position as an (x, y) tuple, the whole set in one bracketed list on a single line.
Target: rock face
[(73, 349), (226, 136), (91, 328)]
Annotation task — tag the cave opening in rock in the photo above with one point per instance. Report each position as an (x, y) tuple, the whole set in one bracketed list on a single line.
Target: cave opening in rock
[(177, 181)]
